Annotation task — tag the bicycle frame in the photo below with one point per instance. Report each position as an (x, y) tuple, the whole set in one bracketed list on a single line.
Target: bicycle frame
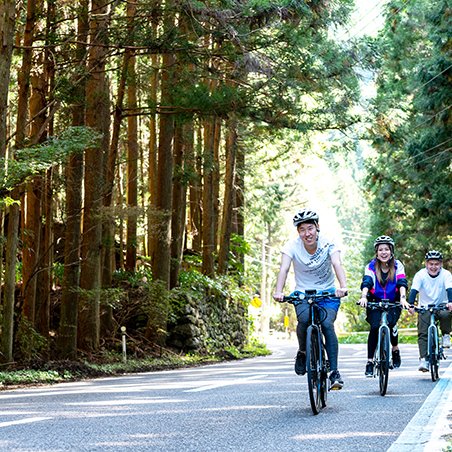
[(316, 363), (434, 349), (382, 359), (384, 325)]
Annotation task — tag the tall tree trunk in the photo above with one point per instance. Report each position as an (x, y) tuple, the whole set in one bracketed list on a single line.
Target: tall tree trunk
[(7, 337), (7, 21), (96, 115), (32, 263), (108, 226), (14, 211), (216, 179), (108, 231), (31, 242), (152, 161), (195, 162), (44, 282), (132, 154), (239, 222), (183, 142), (23, 77), (67, 336), (161, 259), (44, 277), (229, 196), (208, 194)]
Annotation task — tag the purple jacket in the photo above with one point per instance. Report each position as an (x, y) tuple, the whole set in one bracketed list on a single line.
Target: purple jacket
[(390, 290)]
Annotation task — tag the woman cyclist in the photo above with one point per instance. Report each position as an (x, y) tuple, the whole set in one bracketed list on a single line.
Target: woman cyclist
[(314, 257), (384, 278)]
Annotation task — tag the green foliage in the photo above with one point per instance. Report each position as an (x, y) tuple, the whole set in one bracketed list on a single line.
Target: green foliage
[(20, 377), (409, 180), (251, 349), (58, 272), (157, 310), (30, 344), (138, 278), (405, 337), (194, 282), (36, 159)]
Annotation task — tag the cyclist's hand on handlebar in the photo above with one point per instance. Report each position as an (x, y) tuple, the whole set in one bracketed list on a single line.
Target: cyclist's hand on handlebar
[(405, 304), (278, 297), (449, 306), (341, 292), (363, 301)]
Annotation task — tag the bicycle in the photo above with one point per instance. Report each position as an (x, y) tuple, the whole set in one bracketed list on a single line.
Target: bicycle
[(317, 366), (434, 349), (382, 360)]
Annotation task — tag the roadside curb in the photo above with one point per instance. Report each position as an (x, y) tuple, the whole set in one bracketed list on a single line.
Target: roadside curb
[(429, 427)]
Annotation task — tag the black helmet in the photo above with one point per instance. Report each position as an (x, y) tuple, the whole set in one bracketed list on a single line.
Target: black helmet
[(384, 239), (433, 254), (305, 215)]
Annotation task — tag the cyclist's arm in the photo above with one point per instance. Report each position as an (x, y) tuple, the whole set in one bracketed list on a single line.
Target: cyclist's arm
[(412, 296), (282, 276), (340, 274), (366, 285), (449, 298), (403, 300), (402, 284)]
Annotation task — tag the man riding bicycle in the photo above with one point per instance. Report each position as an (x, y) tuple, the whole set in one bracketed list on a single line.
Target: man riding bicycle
[(314, 257), (434, 286)]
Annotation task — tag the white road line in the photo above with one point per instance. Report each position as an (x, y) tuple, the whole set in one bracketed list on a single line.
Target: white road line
[(27, 420), (222, 383), (425, 431)]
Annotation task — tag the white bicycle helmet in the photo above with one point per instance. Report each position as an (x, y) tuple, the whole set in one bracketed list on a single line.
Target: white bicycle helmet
[(304, 216), (433, 254), (384, 239)]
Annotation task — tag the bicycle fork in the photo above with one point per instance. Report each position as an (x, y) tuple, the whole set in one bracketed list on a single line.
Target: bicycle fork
[(434, 328), (383, 326)]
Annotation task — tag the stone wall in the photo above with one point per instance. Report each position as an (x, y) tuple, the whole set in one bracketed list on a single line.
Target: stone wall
[(208, 323)]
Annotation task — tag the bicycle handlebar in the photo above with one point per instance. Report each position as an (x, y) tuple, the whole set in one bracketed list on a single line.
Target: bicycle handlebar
[(310, 296), (431, 308), (382, 304)]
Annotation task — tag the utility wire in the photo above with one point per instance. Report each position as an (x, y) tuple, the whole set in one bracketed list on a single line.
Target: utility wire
[(358, 20)]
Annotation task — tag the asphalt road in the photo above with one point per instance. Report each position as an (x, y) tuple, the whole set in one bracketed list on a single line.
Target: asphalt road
[(251, 405)]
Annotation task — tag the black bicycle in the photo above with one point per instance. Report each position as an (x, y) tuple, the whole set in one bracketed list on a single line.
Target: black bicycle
[(434, 349), (382, 360), (317, 366)]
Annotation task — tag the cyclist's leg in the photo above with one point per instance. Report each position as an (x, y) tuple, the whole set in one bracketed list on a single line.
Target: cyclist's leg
[(303, 323), (331, 342), (423, 321), (393, 318), (373, 318), (445, 321)]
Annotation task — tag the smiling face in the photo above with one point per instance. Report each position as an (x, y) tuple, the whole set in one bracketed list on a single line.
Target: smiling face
[(384, 253), (433, 266), (308, 234)]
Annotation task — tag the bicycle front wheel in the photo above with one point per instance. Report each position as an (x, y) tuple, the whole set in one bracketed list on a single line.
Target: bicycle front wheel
[(433, 354), (324, 382), (384, 360), (313, 368)]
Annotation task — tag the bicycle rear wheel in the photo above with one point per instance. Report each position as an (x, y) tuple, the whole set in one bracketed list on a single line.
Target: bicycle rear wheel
[(433, 354), (313, 368), (384, 360)]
